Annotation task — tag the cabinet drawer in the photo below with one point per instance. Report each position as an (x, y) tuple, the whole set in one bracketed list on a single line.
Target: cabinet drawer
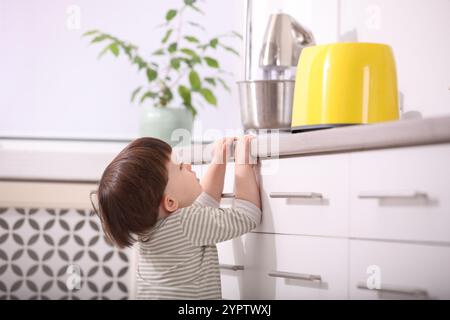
[(305, 195), (295, 267), (231, 264), (401, 194), (398, 271)]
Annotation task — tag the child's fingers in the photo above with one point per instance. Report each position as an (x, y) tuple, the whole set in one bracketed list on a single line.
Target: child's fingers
[(243, 150), (230, 144), (223, 149)]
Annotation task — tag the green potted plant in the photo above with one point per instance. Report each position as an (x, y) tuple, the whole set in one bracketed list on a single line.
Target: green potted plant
[(179, 75)]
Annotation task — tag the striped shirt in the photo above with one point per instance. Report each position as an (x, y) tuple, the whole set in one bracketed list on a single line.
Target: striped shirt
[(179, 259)]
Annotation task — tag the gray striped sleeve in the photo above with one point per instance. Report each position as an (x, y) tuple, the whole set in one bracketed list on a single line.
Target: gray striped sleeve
[(205, 200), (249, 209), (208, 226)]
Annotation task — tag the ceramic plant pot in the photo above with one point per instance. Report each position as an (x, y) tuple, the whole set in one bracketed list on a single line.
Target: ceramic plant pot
[(173, 125)]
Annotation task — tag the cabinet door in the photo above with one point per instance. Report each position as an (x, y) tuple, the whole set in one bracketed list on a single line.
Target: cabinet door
[(387, 270), (305, 195), (401, 194), (231, 264), (295, 267)]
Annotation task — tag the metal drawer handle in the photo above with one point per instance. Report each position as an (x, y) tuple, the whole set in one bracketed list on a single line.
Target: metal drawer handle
[(296, 276), (387, 195), (413, 292), (298, 195), (231, 267), (228, 195)]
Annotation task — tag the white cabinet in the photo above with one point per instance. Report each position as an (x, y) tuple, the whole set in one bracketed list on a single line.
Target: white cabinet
[(401, 194), (331, 224), (305, 195), (275, 266), (295, 267), (383, 270)]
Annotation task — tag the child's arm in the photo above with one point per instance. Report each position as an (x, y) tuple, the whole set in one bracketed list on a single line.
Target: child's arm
[(210, 225), (213, 181), (246, 185)]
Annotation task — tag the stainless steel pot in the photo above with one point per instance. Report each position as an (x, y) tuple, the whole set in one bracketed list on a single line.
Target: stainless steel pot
[(266, 104)]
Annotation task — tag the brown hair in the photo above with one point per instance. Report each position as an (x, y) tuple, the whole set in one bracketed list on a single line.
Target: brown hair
[(131, 189)]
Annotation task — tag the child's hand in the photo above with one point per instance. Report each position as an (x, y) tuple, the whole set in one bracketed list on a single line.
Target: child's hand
[(242, 151), (222, 150)]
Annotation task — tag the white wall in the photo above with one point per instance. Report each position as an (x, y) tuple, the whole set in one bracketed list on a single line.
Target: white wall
[(417, 30), (52, 85)]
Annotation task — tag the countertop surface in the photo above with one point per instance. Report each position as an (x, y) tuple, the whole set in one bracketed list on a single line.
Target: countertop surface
[(84, 161), (343, 139)]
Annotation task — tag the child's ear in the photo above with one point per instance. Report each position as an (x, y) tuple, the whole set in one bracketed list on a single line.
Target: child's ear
[(169, 204)]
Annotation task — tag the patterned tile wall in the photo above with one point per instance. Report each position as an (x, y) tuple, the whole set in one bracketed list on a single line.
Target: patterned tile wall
[(59, 254)]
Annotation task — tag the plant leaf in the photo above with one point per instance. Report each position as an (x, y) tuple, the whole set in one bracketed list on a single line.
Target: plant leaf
[(211, 62), (167, 35), (230, 50), (175, 63), (187, 61), (211, 81), (165, 97), (172, 47), (191, 39), (196, 9), (171, 14), (196, 59), (191, 108), (99, 38), (189, 52), (209, 96), (185, 94), (167, 93), (114, 48), (194, 80), (105, 50), (141, 63), (134, 93), (237, 34), (158, 52), (90, 32), (195, 24), (151, 74), (148, 94), (213, 43), (127, 50), (189, 2), (224, 84)]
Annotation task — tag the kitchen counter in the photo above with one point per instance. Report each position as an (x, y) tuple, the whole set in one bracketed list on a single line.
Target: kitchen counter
[(351, 138), (84, 161)]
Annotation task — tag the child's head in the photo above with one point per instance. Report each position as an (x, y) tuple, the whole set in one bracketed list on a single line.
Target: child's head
[(143, 183)]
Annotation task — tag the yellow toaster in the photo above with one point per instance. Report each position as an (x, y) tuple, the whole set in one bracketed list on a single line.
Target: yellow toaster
[(344, 84)]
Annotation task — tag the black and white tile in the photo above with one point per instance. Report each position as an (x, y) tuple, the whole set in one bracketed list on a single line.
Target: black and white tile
[(59, 254)]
